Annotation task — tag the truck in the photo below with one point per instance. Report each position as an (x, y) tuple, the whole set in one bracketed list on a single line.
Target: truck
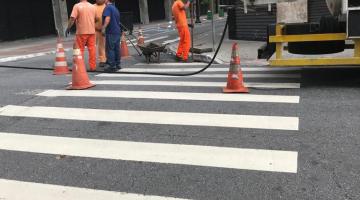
[(332, 34)]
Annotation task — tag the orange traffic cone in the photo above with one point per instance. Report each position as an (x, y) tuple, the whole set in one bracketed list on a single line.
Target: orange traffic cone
[(124, 47), (140, 39), (80, 78), (60, 66), (235, 83)]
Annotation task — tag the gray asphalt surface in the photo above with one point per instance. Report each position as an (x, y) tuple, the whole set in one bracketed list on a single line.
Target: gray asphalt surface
[(327, 141)]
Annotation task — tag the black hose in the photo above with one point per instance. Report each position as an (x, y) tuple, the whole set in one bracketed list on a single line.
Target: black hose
[(149, 73)]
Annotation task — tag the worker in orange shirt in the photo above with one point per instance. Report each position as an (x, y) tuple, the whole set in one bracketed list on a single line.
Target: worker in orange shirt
[(179, 12), (100, 38), (84, 15)]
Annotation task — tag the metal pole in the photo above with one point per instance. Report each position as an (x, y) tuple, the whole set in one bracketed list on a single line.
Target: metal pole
[(212, 24), (197, 12)]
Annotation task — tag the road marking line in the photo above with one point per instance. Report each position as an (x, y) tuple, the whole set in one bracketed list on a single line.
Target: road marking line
[(223, 69), (172, 96), (171, 41), (155, 117), (168, 64), (10, 190), (198, 84), (28, 56), (152, 40), (208, 156), (290, 76), (134, 40)]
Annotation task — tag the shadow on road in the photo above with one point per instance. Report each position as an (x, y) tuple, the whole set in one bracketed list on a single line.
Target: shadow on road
[(339, 77)]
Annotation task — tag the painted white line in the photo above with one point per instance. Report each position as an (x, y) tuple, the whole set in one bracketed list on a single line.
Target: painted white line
[(167, 64), (10, 190), (155, 117), (133, 40), (172, 96), (208, 156), (154, 39), (171, 41), (198, 84), (223, 69), (28, 56), (23, 57), (289, 76)]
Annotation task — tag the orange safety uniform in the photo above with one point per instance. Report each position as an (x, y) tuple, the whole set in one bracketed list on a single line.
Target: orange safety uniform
[(179, 13), (84, 14), (100, 38)]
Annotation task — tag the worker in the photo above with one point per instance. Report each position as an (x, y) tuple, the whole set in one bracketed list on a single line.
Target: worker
[(179, 12), (100, 38), (112, 31), (84, 15)]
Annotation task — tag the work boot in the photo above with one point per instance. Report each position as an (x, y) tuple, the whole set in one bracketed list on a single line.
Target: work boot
[(101, 64), (178, 59), (189, 60), (110, 69)]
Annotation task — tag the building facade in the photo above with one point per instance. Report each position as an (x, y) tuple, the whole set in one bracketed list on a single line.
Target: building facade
[(26, 19)]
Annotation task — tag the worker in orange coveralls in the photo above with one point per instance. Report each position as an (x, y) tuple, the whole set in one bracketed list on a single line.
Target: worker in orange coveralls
[(179, 12), (100, 38), (84, 15)]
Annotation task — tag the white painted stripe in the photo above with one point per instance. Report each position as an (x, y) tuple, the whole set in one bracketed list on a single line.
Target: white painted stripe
[(60, 54), (155, 117), (60, 64), (198, 84), (172, 96), (28, 56), (290, 76), (169, 64), (18, 190), (134, 40), (152, 40), (171, 41), (222, 157), (247, 69)]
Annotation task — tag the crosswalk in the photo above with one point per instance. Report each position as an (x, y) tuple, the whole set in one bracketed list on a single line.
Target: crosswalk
[(166, 153)]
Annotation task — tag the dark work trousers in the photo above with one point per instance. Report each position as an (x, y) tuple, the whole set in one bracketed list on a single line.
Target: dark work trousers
[(113, 50)]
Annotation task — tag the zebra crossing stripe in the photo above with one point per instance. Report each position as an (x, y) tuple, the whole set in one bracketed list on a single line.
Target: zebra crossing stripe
[(155, 117), (207, 156), (18, 190), (169, 64), (193, 69), (172, 96), (290, 76), (197, 84)]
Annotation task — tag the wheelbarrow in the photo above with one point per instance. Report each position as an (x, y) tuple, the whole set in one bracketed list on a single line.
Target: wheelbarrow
[(152, 50)]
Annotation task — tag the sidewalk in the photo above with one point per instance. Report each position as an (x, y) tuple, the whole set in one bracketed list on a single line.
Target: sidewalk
[(42, 46), (34, 47)]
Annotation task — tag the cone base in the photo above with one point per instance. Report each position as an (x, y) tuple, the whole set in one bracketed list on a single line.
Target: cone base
[(61, 71), (239, 90), (82, 87)]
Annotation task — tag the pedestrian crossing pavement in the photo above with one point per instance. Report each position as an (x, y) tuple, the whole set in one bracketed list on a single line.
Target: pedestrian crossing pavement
[(221, 157), (37, 191)]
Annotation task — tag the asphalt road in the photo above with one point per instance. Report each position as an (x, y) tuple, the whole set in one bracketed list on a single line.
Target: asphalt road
[(307, 148)]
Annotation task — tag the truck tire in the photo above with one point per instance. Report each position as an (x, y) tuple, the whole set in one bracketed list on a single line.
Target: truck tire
[(326, 25)]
